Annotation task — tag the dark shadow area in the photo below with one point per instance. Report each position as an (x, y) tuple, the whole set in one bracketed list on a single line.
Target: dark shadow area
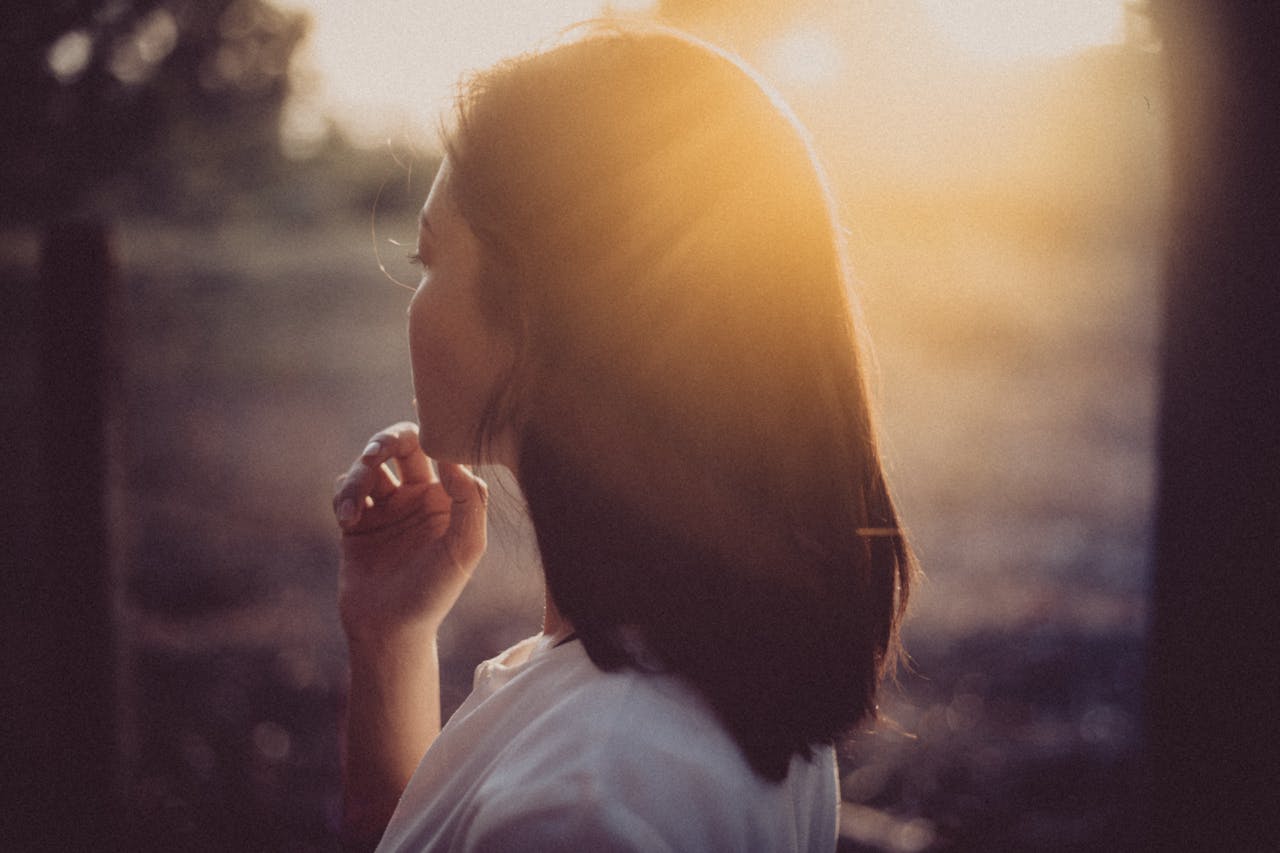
[(1213, 687), (1014, 740)]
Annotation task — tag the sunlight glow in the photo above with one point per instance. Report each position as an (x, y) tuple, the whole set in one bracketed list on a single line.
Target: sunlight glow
[(1005, 31), (803, 57), (631, 7), (386, 68)]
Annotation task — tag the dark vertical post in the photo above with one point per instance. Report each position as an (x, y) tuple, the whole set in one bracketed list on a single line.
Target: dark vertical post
[(1213, 682), (68, 756)]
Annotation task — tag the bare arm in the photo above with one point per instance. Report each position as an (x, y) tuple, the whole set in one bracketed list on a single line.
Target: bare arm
[(393, 715), (410, 540)]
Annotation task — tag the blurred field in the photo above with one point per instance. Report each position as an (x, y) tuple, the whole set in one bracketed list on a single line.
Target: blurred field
[(1015, 380)]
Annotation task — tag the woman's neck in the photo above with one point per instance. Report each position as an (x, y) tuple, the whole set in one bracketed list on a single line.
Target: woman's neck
[(554, 625)]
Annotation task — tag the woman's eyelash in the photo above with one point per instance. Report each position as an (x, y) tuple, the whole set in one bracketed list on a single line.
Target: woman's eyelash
[(416, 259)]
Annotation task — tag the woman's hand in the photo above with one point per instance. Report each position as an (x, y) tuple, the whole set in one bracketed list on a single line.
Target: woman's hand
[(411, 537)]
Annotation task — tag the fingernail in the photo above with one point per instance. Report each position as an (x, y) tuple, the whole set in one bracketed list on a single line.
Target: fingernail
[(373, 449), (347, 510)]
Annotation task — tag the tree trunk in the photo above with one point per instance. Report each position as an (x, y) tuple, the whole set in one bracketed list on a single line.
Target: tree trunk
[(62, 765), (1213, 680)]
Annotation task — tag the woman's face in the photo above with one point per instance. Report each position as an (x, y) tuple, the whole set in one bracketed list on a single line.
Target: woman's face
[(457, 357)]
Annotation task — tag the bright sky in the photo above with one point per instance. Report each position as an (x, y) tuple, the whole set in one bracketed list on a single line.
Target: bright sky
[(384, 68), (1004, 31)]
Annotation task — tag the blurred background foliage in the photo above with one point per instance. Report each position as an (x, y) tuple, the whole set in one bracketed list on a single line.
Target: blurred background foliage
[(1005, 221), (157, 108)]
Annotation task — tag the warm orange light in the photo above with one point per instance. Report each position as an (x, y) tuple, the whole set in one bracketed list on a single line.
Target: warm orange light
[(807, 56), (1005, 31)]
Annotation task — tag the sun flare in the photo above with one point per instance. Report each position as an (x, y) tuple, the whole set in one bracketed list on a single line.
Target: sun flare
[(807, 56), (1005, 31)]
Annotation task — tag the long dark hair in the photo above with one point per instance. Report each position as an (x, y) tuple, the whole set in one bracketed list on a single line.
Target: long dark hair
[(695, 441)]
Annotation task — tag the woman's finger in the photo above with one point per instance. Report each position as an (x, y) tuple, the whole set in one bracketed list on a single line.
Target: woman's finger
[(401, 443), (470, 497), (415, 467), (385, 482), (353, 489), (370, 476)]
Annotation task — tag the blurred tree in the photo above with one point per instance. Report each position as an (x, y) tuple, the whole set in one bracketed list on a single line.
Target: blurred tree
[(99, 90), (103, 101), (1213, 682)]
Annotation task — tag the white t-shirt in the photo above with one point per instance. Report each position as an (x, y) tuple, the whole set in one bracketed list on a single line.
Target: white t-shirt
[(550, 753)]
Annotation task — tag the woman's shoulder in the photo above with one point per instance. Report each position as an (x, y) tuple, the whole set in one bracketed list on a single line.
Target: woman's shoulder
[(617, 719), (630, 755)]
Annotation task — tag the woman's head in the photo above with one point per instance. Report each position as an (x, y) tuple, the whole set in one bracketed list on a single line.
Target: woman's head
[(647, 207), (691, 428)]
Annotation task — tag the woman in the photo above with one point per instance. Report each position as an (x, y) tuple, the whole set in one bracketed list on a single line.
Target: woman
[(633, 297)]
